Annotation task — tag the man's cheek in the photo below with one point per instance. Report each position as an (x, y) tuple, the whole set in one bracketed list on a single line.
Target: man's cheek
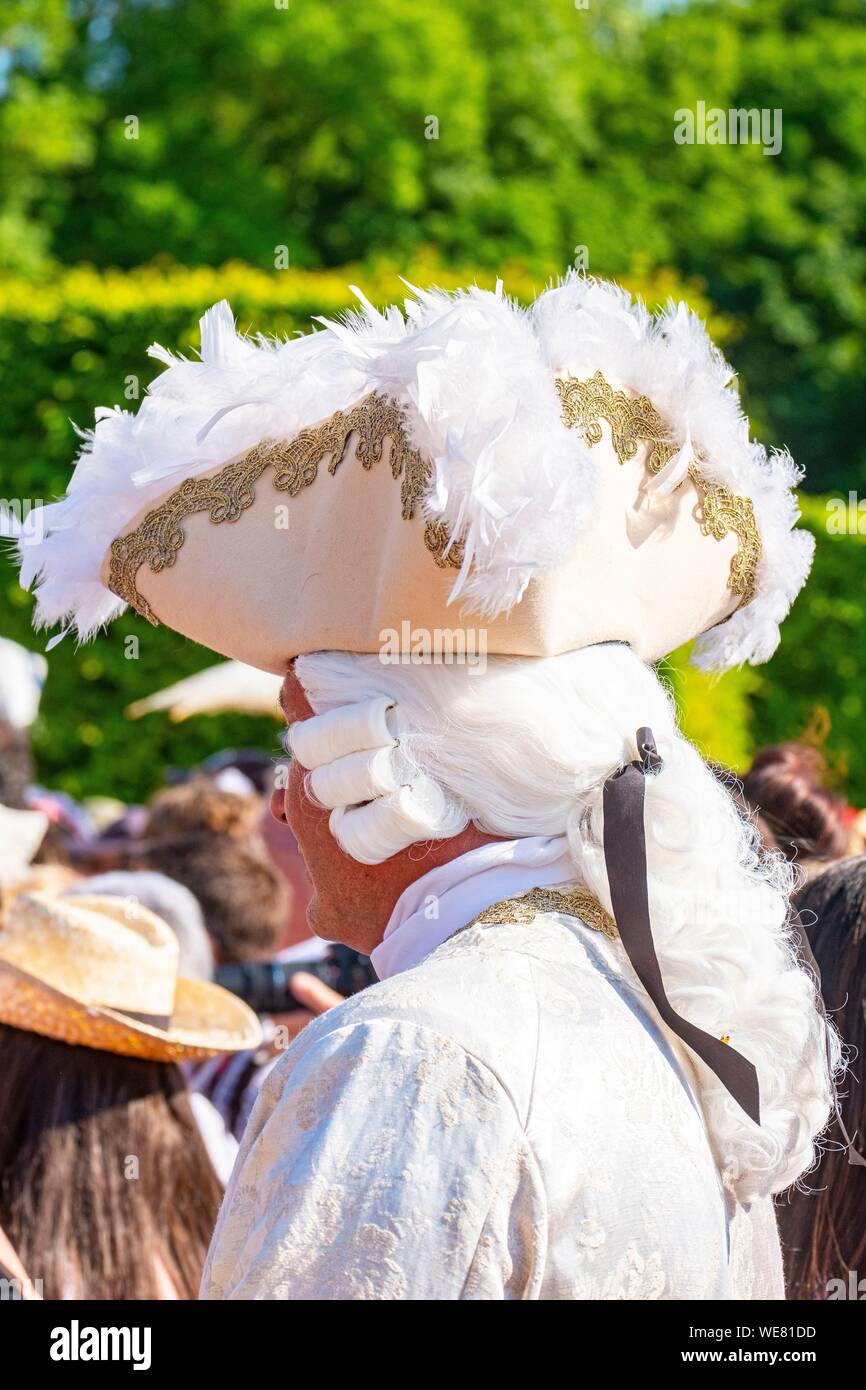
[(294, 794), (302, 814)]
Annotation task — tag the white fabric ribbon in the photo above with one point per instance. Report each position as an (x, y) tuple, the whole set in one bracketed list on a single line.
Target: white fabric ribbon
[(353, 779), (347, 729), (437, 905), (389, 824)]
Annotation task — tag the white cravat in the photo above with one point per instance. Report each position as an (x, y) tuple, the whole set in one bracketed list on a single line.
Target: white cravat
[(441, 902)]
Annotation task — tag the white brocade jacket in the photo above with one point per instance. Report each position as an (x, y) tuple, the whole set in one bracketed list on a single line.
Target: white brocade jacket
[(505, 1120)]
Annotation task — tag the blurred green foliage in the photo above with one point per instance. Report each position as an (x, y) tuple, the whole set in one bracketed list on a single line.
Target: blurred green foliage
[(156, 155), (815, 686), (816, 682), (306, 126)]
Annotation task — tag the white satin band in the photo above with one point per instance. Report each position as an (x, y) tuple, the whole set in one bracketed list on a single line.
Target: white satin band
[(326, 737), (391, 823), (356, 778)]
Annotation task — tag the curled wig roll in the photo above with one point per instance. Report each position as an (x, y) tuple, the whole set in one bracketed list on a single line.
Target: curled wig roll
[(526, 750)]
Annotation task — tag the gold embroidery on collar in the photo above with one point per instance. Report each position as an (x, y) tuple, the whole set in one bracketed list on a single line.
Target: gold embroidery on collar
[(576, 902), (295, 463), (634, 419)]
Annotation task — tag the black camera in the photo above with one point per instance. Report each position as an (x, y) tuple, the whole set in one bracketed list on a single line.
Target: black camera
[(266, 985)]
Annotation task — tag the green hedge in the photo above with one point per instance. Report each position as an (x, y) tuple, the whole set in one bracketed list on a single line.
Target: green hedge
[(816, 682), (73, 343), (814, 687)]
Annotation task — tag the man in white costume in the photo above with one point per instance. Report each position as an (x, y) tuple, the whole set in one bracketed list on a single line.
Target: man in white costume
[(594, 1053)]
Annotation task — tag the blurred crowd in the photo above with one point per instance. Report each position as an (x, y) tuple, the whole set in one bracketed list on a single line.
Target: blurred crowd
[(205, 858)]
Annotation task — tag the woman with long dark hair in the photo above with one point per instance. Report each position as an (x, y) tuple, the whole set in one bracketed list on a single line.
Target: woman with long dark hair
[(106, 1187), (824, 1228)]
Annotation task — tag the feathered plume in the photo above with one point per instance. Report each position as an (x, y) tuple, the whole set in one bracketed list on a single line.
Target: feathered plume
[(474, 372)]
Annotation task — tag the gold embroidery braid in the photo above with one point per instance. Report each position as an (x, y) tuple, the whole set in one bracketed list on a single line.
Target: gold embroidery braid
[(631, 419), (576, 902), (723, 511), (634, 419), (437, 539), (156, 541), (295, 463), (415, 471)]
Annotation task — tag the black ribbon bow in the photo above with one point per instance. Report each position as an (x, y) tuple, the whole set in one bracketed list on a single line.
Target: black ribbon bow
[(625, 857)]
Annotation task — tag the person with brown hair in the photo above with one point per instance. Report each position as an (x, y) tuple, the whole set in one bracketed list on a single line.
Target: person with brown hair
[(106, 1188), (15, 1283), (795, 812), (824, 1227), (209, 840)]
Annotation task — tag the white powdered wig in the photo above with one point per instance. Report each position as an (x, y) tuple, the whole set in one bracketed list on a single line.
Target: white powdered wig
[(333, 736), (380, 801), (475, 375), (526, 751)]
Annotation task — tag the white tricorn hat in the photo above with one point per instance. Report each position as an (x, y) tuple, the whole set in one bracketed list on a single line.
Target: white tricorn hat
[(568, 473)]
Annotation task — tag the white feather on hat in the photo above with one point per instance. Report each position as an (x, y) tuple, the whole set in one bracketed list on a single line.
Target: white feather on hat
[(475, 372)]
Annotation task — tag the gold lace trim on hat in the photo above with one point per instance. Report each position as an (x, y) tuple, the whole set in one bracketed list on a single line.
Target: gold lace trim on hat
[(574, 902), (634, 420), (294, 465)]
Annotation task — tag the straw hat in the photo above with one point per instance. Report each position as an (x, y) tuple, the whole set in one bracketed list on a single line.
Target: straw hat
[(102, 972)]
